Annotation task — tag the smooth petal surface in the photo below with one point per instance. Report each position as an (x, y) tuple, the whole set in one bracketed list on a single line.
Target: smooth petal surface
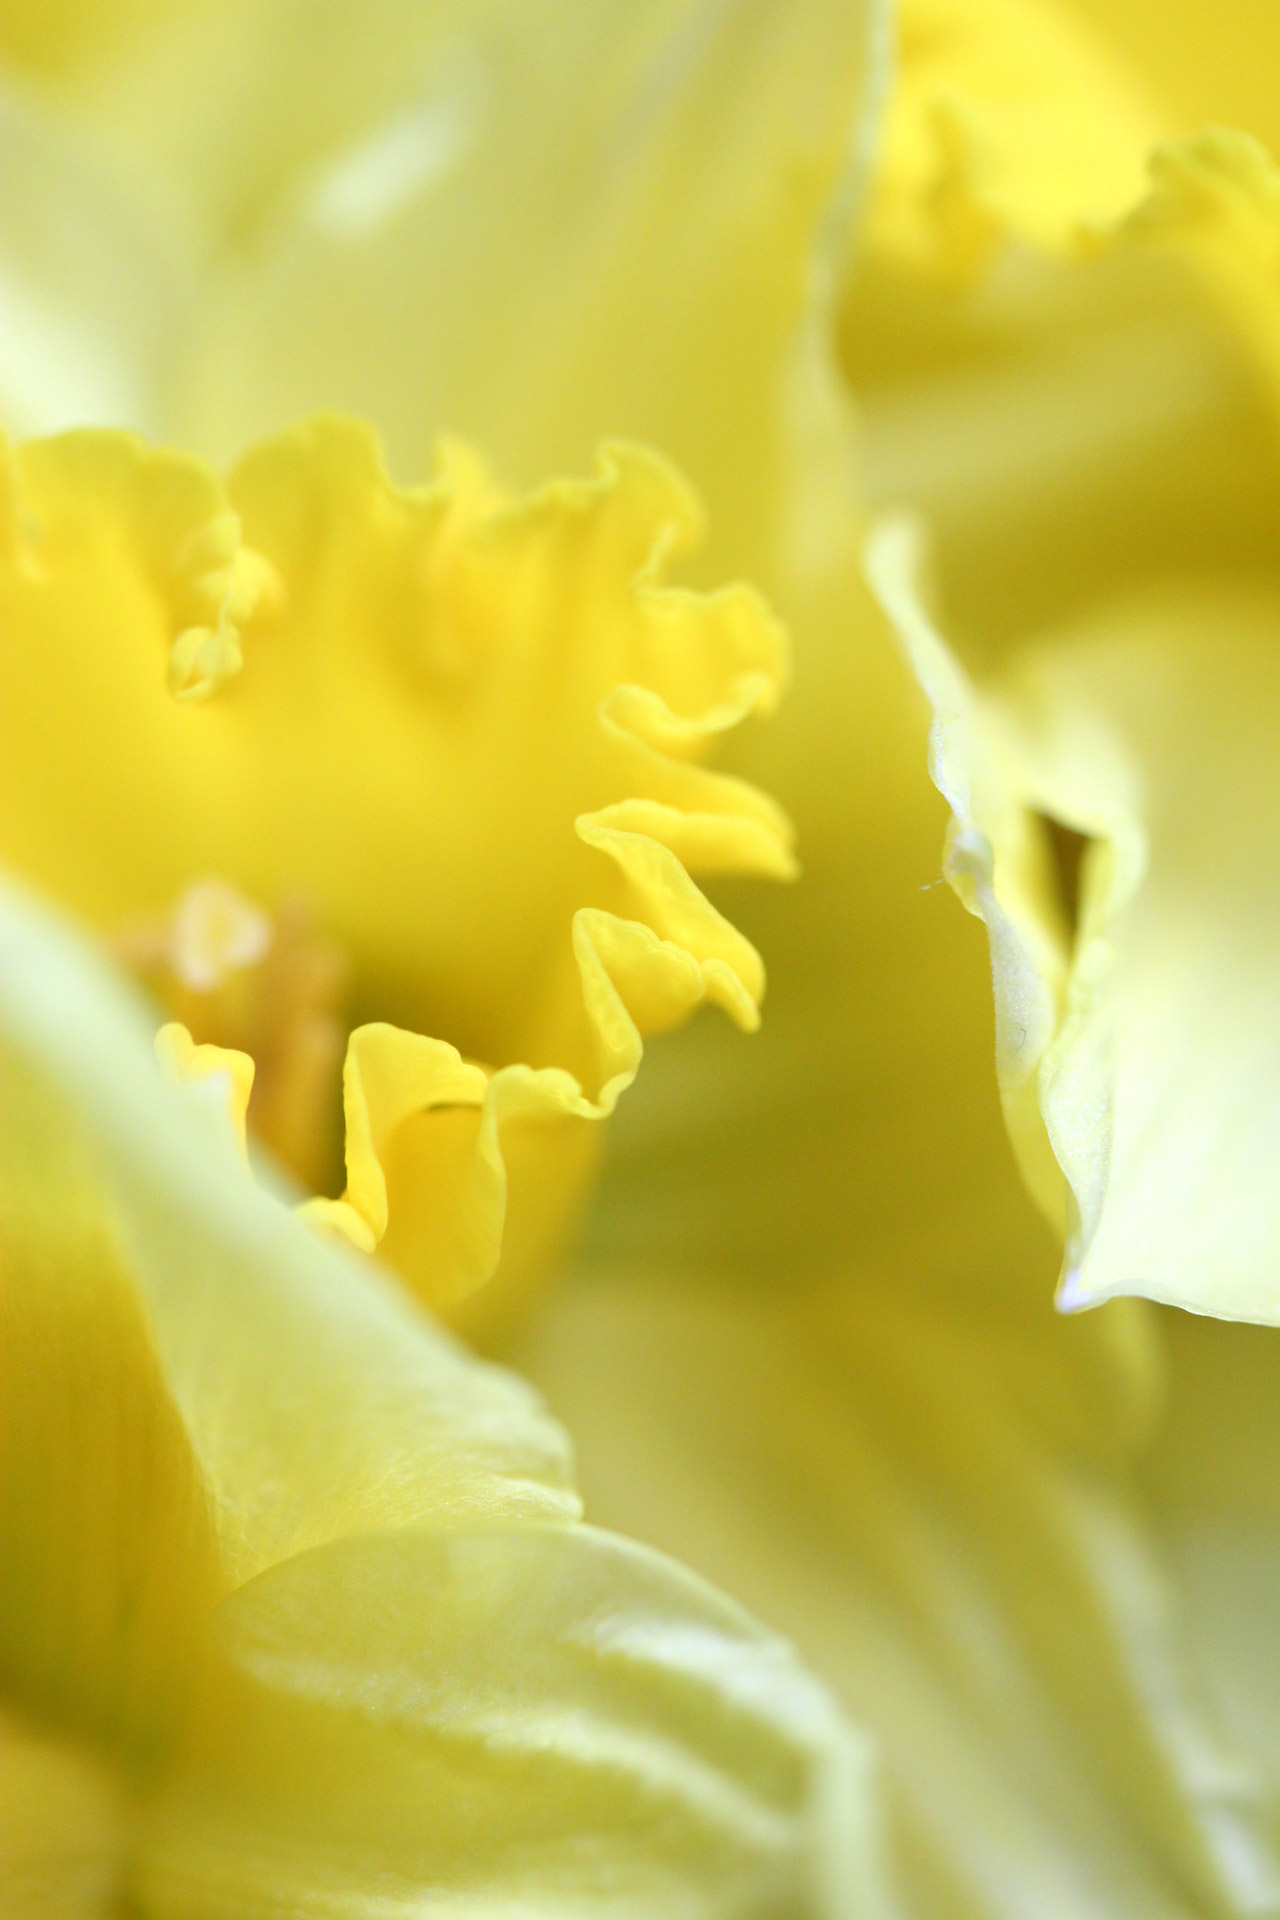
[(109, 1552), (1207, 69), (97, 277), (496, 1723), (943, 1501), (587, 222)]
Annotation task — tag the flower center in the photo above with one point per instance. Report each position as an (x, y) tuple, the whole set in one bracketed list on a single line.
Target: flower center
[(270, 985)]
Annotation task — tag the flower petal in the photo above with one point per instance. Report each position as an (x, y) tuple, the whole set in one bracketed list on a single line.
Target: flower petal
[(542, 1721), (1007, 121), (300, 1396), (1140, 1044), (270, 1532), (97, 278), (109, 1553), (1207, 70), (940, 1498), (587, 222)]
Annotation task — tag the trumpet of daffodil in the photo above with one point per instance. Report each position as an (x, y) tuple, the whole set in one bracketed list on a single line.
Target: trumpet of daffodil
[(449, 738), (812, 1346), (297, 1612)]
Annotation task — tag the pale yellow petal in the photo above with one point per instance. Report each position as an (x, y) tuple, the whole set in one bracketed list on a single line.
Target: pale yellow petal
[(105, 1535), (225, 1072), (940, 1501), (588, 221), (311, 1572), (532, 1722), (58, 38), (1215, 1486), (234, 103), (1136, 1035), (97, 277)]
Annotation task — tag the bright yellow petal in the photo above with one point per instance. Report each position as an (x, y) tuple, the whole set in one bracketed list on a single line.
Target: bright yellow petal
[(549, 1722), (1209, 66), (1006, 121), (62, 1828), (867, 1086), (942, 1502), (465, 730)]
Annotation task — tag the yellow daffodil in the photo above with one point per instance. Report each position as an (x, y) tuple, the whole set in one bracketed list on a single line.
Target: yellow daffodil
[(297, 1613), (811, 1348), (461, 731)]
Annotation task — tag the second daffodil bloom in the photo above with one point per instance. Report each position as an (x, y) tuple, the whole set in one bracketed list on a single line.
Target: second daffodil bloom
[(297, 1613)]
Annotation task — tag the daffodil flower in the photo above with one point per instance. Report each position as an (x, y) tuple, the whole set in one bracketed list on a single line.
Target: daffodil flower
[(813, 1349), (298, 1614), (463, 731)]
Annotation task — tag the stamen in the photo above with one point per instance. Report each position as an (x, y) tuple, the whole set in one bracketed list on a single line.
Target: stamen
[(243, 982)]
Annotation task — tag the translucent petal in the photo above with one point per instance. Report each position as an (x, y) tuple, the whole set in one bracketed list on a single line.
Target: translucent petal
[(941, 1501), (310, 1571), (109, 1553), (532, 1721)]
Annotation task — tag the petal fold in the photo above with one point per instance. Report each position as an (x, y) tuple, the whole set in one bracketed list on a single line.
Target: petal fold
[(1138, 1048), (942, 1498), (543, 1721)]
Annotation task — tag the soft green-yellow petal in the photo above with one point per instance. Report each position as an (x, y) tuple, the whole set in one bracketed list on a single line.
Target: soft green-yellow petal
[(541, 1722)]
